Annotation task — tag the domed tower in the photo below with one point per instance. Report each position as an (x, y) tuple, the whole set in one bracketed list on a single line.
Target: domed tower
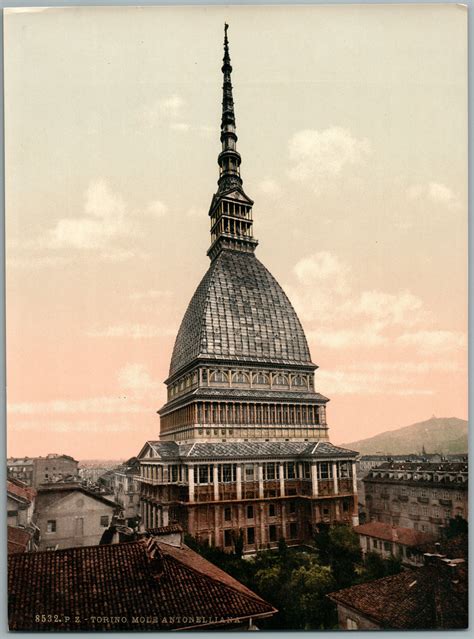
[(241, 369), (243, 451)]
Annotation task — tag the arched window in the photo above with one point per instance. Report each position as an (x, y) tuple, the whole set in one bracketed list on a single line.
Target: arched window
[(240, 378), (298, 381), (261, 379), (219, 377), (280, 380)]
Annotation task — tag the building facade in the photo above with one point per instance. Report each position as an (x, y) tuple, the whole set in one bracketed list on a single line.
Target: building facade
[(423, 496), (35, 471), (244, 447), (70, 516), (126, 489)]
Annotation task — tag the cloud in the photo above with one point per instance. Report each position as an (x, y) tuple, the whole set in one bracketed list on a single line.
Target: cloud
[(104, 219), (184, 127), (166, 108), (431, 342), (132, 331), (434, 192), (157, 209), (403, 308), (83, 426), (322, 268), (120, 404), (271, 188), (150, 295), (318, 155), (368, 383), (195, 211), (135, 378), (347, 338)]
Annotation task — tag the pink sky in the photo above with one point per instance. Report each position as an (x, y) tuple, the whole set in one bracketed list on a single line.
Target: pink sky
[(354, 144)]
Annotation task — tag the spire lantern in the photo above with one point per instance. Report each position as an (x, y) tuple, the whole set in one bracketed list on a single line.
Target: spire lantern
[(231, 208)]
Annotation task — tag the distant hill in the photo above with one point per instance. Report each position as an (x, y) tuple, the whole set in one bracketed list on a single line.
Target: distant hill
[(445, 435)]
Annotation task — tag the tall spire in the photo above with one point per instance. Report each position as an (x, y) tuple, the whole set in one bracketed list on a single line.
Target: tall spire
[(231, 208), (229, 158)]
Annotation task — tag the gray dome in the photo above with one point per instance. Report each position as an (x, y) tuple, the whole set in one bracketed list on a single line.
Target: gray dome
[(239, 312)]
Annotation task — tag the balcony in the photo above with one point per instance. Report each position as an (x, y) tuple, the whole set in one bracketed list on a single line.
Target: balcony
[(446, 502), (436, 520), (346, 486), (384, 495), (402, 497), (423, 500)]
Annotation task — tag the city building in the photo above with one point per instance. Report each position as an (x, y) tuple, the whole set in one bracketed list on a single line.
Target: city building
[(70, 515), (244, 447), (433, 597), (423, 496), (20, 503), (20, 540), (143, 585), (35, 471), (126, 489), (387, 541)]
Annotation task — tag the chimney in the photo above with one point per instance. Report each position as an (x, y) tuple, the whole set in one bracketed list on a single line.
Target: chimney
[(155, 557)]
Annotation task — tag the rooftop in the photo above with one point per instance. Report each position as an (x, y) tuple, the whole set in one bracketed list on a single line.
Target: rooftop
[(240, 313), (163, 588), (18, 539), (387, 532), (20, 490), (427, 598), (252, 449)]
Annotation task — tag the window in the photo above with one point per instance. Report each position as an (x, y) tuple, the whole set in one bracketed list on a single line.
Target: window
[(351, 624), (271, 510), (375, 543), (269, 471), (104, 521), (387, 546), (272, 533), (290, 470), (343, 469), (293, 530), (203, 474), (227, 473), (249, 512), (12, 513), (250, 536), (291, 507), (324, 470), (227, 538), (51, 526), (228, 513), (249, 472)]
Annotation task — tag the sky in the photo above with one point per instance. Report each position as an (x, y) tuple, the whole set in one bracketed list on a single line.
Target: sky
[(352, 124)]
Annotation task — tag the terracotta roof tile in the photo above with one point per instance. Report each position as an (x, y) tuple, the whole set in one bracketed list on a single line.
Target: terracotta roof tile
[(121, 581), (427, 598), (18, 539), (24, 492), (387, 532)]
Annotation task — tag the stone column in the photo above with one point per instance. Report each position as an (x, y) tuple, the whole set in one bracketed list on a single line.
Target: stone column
[(239, 481), (263, 540), (260, 481), (165, 515), (334, 478), (191, 482), (354, 478), (282, 479), (216, 482), (217, 527), (283, 520), (314, 479)]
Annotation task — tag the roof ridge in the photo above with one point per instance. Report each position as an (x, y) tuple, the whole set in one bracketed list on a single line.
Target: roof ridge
[(207, 577)]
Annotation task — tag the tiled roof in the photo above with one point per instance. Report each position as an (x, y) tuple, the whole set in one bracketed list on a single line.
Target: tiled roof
[(18, 539), (49, 493), (20, 490), (422, 599), (244, 395), (239, 312), (387, 532), (122, 582), (164, 530), (446, 467), (203, 450)]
